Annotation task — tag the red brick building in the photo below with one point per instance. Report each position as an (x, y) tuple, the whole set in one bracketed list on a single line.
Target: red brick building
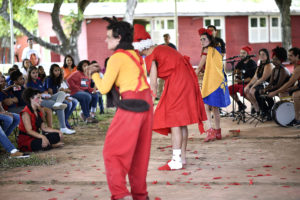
[(238, 23)]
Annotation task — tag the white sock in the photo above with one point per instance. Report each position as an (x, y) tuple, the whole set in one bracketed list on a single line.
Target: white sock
[(14, 151), (93, 109), (176, 155)]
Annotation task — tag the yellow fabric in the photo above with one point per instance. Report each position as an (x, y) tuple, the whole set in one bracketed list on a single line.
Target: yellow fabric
[(213, 75), (122, 71)]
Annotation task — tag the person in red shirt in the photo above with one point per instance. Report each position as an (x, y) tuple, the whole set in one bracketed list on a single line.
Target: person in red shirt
[(80, 86)]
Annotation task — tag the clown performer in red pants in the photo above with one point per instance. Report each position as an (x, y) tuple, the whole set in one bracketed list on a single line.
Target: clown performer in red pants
[(181, 101), (128, 139)]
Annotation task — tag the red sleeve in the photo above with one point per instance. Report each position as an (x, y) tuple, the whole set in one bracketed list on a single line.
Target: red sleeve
[(74, 82), (203, 53), (148, 61)]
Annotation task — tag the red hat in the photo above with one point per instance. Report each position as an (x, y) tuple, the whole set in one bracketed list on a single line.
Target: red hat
[(141, 39), (201, 31), (248, 49)]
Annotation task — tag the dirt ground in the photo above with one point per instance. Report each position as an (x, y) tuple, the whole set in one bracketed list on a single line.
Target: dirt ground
[(261, 163)]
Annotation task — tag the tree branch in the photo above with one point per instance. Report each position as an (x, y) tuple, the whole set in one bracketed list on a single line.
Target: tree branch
[(3, 12), (56, 25)]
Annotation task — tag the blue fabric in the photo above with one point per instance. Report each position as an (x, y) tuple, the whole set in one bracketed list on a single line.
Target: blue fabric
[(6, 95), (84, 99), (71, 106), (221, 96), (18, 93), (49, 84), (37, 85), (7, 126)]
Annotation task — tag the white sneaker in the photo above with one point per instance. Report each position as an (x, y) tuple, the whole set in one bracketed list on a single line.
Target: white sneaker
[(67, 131), (59, 106)]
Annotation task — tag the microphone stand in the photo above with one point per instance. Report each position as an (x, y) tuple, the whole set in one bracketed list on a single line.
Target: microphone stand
[(232, 68)]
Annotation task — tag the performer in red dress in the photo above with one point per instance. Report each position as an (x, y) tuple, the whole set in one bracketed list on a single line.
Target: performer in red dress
[(181, 101)]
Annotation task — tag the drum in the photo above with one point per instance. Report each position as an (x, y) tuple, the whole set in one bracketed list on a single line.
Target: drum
[(283, 113)]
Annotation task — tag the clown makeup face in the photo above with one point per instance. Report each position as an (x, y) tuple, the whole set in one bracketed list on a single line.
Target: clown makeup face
[(204, 41), (36, 100), (111, 41)]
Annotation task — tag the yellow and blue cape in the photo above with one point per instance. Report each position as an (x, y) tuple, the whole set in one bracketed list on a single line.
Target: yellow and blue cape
[(214, 87)]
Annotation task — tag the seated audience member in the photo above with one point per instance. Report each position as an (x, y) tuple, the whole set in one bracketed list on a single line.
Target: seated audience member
[(293, 85), (8, 80), (53, 85), (9, 121), (80, 86), (9, 101), (50, 101), (261, 77), (69, 66), (245, 69), (100, 95), (25, 66), (17, 89), (31, 123), (280, 74), (41, 74)]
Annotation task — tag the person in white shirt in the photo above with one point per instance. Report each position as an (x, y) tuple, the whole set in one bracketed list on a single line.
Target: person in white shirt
[(31, 54)]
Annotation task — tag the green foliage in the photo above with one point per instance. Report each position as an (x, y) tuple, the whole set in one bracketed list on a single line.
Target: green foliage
[(21, 13)]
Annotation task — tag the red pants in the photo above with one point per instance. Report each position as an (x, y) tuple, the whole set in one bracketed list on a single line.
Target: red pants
[(237, 88), (127, 149)]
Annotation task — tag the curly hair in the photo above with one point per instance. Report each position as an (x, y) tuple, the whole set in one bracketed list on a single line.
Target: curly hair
[(121, 29), (280, 53), (55, 80), (29, 93)]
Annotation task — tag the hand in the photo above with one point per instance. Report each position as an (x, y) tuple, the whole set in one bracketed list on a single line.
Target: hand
[(61, 135), (272, 94), (92, 69), (45, 141)]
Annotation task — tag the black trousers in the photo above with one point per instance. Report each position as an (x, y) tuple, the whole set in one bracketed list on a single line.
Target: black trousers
[(265, 103), (36, 144)]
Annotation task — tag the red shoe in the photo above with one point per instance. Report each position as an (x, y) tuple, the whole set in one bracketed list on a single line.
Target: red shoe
[(218, 134), (166, 167), (210, 135)]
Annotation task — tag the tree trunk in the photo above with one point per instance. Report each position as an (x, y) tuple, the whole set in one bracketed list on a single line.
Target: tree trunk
[(284, 8), (130, 7), (66, 46)]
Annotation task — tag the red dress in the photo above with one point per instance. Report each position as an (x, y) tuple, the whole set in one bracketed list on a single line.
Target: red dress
[(181, 102)]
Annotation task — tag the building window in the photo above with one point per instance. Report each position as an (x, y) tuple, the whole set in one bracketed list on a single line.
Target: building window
[(258, 30), (218, 22), (275, 29), (162, 26)]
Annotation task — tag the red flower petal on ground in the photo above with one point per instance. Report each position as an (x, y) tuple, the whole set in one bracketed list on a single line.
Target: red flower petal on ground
[(285, 186), (49, 189), (53, 199), (168, 183), (268, 174), (229, 158), (259, 175), (66, 188), (196, 157), (255, 197), (249, 175), (186, 173), (195, 152), (206, 184), (283, 167), (267, 165), (94, 183), (250, 170), (157, 198), (251, 182), (188, 181), (283, 178), (61, 192), (234, 183), (217, 177), (207, 187), (298, 168), (20, 182), (154, 182), (226, 187), (28, 171)]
